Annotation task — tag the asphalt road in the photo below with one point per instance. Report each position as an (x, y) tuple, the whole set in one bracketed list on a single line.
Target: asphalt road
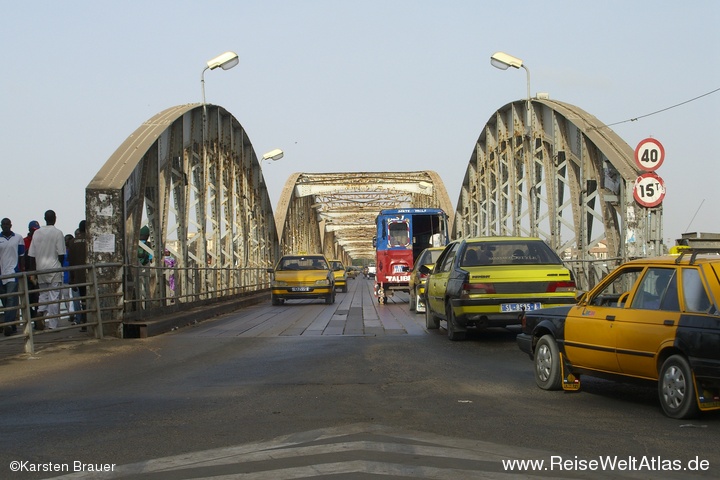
[(307, 390)]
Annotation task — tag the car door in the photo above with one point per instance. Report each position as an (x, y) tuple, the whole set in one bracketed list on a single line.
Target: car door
[(590, 333), (437, 280), (648, 322)]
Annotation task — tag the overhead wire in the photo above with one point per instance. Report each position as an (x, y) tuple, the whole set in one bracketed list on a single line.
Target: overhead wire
[(664, 109)]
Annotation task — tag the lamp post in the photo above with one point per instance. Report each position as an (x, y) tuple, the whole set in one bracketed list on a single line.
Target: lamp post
[(503, 61), (226, 61)]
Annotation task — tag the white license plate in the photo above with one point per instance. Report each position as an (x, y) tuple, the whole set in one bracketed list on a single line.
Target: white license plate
[(519, 307), (299, 289)]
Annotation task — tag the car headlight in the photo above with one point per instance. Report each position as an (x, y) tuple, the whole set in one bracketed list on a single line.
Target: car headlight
[(324, 281)]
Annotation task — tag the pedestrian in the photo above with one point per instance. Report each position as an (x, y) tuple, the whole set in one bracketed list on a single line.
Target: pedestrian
[(77, 254), (12, 248), (48, 249), (66, 291), (33, 295), (170, 262)]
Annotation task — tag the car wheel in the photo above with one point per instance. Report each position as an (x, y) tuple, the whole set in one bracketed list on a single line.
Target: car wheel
[(547, 364), (453, 333), (344, 289), (676, 388), (431, 321), (412, 301), (330, 299), (275, 300)]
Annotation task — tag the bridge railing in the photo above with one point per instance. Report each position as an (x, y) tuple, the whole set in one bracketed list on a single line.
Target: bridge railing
[(99, 306), (116, 293), (150, 288)]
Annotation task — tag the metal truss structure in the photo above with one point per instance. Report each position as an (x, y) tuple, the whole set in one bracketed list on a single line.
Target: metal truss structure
[(549, 169), (191, 176), (334, 213)]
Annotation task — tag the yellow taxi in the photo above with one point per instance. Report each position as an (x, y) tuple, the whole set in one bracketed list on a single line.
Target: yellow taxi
[(340, 274), (652, 319), (416, 284), (489, 281), (301, 277)]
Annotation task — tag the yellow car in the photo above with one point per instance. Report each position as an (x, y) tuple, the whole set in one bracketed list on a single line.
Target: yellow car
[(301, 277), (489, 281), (652, 319), (340, 274), (427, 258)]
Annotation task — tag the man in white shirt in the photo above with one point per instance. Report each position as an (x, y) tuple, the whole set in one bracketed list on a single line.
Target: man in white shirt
[(12, 248), (48, 248)]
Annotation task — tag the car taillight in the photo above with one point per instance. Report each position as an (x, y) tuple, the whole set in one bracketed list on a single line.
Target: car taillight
[(423, 275), (476, 289), (561, 287)]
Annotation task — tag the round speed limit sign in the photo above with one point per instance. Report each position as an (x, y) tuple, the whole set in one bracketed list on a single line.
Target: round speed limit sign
[(649, 190), (649, 155)]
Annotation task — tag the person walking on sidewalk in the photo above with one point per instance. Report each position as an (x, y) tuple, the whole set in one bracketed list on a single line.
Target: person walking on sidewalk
[(12, 248), (48, 249)]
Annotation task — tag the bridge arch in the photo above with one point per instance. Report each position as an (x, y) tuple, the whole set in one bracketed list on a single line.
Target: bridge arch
[(191, 176), (554, 171), (334, 213)]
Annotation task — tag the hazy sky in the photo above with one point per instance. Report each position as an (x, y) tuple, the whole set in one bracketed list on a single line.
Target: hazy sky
[(346, 86)]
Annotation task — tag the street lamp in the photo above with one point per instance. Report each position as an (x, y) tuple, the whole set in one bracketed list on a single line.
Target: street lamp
[(226, 61), (503, 61), (273, 155)]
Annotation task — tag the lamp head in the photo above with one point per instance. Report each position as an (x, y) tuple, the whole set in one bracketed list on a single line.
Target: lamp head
[(226, 61), (273, 155), (503, 61)]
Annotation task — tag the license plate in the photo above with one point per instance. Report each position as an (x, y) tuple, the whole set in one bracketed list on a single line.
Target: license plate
[(519, 307), (300, 289)]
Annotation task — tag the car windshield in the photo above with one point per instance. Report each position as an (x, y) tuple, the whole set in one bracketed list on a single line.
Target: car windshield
[(337, 265), (303, 263), (509, 252)]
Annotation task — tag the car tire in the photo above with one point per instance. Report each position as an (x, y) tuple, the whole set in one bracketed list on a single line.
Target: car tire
[(676, 388), (412, 301), (330, 299), (275, 300), (548, 371), (432, 322), (454, 334)]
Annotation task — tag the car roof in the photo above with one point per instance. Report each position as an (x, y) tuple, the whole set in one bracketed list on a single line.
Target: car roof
[(499, 239), (685, 258)]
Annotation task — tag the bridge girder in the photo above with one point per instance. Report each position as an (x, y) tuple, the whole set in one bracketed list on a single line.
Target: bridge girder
[(558, 173), (334, 213)]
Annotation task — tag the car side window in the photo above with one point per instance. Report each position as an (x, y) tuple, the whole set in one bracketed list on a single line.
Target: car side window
[(695, 297), (657, 287), (447, 262), (614, 292)]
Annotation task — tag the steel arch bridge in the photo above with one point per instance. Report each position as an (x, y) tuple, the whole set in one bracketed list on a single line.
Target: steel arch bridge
[(191, 176), (334, 213), (549, 169)]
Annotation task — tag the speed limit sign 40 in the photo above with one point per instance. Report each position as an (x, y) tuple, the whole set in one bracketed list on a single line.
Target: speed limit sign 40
[(649, 190), (649, 155)]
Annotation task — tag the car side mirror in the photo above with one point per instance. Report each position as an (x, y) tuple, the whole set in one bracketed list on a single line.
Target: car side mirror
[(270, 270), (424, 269)]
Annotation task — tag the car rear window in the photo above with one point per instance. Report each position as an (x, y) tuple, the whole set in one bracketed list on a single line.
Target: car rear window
[(523, 252)]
